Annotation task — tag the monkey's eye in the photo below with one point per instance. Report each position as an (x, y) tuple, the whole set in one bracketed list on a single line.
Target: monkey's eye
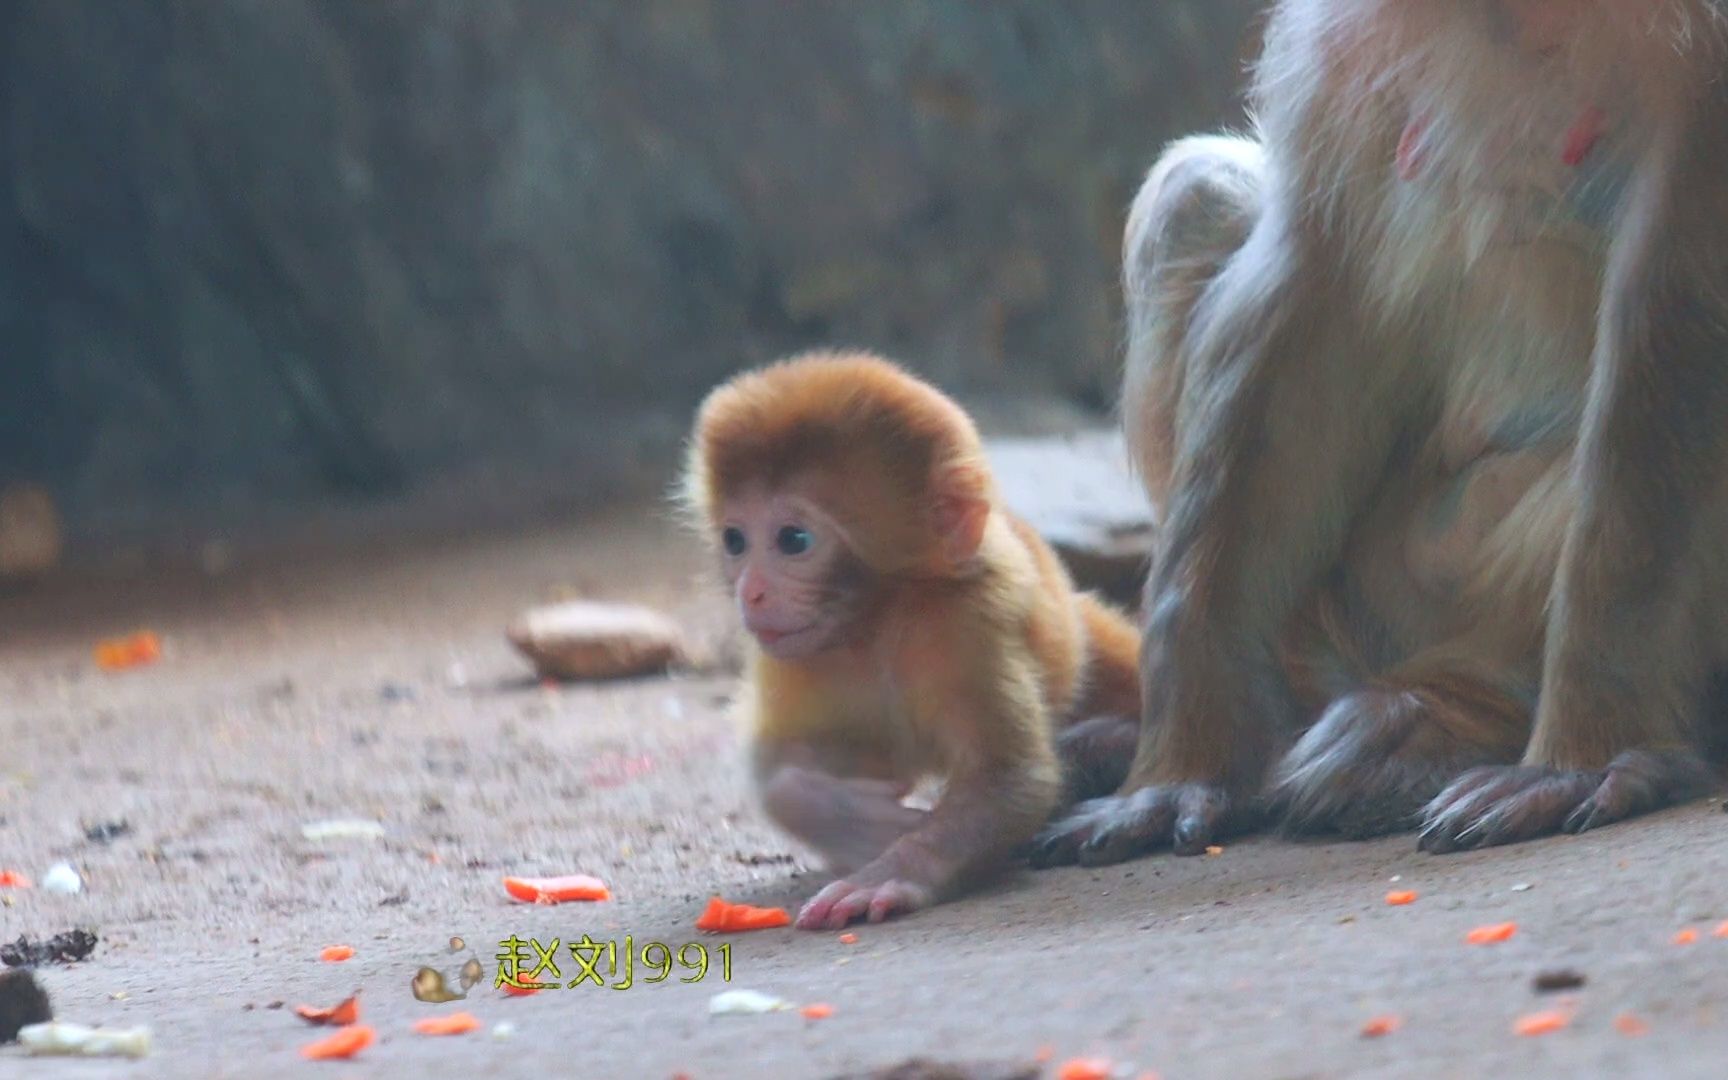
[(794, 540), (732, 539)]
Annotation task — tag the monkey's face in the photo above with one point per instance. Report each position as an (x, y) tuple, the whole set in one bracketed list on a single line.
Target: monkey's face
[(798, 586)]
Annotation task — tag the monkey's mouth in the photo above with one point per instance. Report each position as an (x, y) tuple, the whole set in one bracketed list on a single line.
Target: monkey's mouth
[(784, 644)]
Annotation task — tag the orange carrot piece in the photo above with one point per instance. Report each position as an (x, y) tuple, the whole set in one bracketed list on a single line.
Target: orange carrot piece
[(1044, 1054), (1400, 897), (1381, 1025), (818, 1011), (1721, 930), (1084, 1069), (455, 1024), (529, 986), (1492, 933), (1630, 1026), (345, 1043), (117, 654), (1541, 1023), (335, 954), (340, 1015), (13, 879), (721, 917), (556, 890), (1686, 936), (852, 939)]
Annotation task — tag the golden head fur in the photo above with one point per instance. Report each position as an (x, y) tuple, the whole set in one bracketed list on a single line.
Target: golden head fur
[(828, 421)]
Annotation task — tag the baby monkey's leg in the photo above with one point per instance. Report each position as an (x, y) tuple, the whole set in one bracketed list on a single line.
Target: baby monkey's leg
[(849, 820), (978, 822)]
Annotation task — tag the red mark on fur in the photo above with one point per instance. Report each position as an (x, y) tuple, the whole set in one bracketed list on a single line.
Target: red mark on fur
[(1411, 152), (1582, 137)]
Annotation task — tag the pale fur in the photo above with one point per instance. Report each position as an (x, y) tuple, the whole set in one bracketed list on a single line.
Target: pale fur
[(1387, 353)]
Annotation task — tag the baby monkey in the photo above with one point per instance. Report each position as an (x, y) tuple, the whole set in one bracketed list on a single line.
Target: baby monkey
[(905, 627)]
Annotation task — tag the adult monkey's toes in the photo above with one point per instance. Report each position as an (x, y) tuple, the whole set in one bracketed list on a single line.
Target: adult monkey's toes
[(1185, 818), (1506, 804)]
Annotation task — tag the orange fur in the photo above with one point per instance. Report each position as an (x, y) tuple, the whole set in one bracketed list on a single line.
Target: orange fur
[(868, 441), (974, 648)]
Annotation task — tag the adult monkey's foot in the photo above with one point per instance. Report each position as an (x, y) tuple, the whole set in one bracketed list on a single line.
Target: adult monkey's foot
[(1505, 804), (1185, 818)]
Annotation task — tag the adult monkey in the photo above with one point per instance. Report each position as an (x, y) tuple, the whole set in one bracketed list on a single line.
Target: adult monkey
[(1431, 382)]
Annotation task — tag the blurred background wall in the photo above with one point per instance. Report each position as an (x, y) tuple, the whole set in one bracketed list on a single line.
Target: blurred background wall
[(257, 253)]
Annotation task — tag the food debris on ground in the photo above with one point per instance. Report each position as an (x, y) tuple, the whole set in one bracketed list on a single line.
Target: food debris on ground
[(1085, 1069), (134, 650), (1542, 1023), (1686, 936), (67, 948), (745, 1003), (1522, 886), (557, 890), (106, 831), (13, 879), (63, 879), (848, 939), (1400, 897), (721, 916), (1548, 982), (1214, 849), (586, 640), (928, 1069), (345, 1012), (1492, 933), (22, 1002), (528, 986), (1721, 930), (1630, 1025), (59, 1039), (503, 1030), (1381, 1025), (345, 1043), (343, 829), (819, 1010), (616, 770), (455, 1024), (335, 954)]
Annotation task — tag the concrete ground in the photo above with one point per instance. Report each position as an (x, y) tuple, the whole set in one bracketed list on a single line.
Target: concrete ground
[(299, 686)]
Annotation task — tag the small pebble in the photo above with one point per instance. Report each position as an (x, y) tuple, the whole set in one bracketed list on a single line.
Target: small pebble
[(1549, 982), (744, 1003), (61, 878)]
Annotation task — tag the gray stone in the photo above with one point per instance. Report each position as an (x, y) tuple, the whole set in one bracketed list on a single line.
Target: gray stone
[(583, 640), (269, 249), (1080, 494)]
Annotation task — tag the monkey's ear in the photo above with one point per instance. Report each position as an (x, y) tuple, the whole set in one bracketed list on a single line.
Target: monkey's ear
[(962, 509)]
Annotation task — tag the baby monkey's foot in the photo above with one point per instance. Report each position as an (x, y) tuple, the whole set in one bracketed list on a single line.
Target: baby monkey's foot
[(846, 901)]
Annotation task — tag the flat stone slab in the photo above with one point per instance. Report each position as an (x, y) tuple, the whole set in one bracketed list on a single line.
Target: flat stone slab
[(1077, 490), (582, 640)]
